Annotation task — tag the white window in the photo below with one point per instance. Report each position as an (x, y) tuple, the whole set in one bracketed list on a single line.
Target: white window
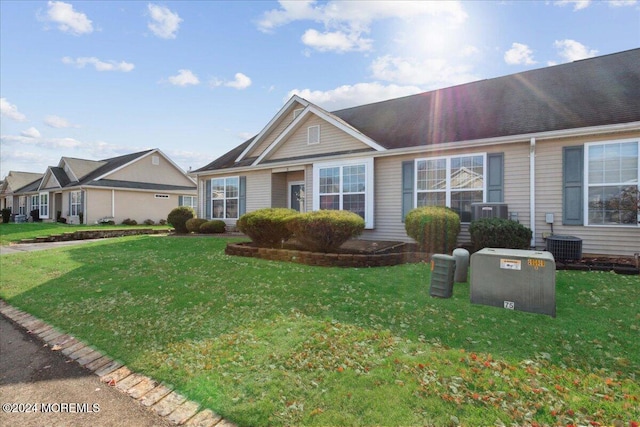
[(44, 205), (22, 202), (225, 195), (455, 182), (76, 203), (347, 185), (191, 201), (612, 173), (313, 135)]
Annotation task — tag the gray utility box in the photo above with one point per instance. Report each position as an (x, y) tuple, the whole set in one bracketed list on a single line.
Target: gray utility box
[(443, 268), (514, 279)]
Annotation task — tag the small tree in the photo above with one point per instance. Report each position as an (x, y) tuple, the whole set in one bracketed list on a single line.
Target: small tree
[(178, 218), (435, 228)]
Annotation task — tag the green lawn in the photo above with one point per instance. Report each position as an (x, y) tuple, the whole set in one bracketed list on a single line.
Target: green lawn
[(269, 343), (14, 232)]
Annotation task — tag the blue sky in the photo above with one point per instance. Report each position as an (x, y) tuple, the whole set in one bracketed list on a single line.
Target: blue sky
[(98, 79)]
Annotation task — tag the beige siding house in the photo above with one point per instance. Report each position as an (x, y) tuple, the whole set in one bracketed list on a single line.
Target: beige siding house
[(138, 186), (559, 146), (12, 189)]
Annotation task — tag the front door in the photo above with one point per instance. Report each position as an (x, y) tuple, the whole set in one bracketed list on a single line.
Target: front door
[(296, 196)]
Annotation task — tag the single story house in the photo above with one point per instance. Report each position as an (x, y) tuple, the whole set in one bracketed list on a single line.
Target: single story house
[(138, 186), (557, 145), (10, 189)]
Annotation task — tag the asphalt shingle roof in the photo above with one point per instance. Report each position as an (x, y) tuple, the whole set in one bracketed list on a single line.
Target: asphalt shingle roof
[(592, 92)]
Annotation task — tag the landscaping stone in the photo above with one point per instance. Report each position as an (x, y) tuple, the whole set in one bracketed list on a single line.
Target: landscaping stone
[(168, 404), (107, 369), (142, 388), (129, 382), (205, 418), (155, 395), (183, 412)]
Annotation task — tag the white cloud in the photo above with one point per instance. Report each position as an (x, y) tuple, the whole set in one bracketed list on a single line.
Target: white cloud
[(571, 50), (519, 54), (9, 110), (57, 122), (68, 20), (31, 133), (335, 41), (184, 78), (240, 81), (428, 73), (577, 4), (622, 3), (351, 95), (164, 23), (346, 23), (54, 143), (98, 64)]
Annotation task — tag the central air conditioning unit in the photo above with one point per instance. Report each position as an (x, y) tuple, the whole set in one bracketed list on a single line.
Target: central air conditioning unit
[(489, 210), (565, 248)]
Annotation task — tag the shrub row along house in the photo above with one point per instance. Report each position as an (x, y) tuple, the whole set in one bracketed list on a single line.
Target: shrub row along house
[(137, 186), (557, 146)]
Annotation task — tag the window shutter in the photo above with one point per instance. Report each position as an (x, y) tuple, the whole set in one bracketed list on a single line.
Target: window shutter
[(407, 187), (207, 198), (572, 181), (242, 196), (69, 211), (180, 200), (495, 178)]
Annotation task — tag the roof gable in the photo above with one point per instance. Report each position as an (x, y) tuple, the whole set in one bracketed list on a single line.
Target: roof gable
[(355, 141), (79, 168), (16, 180)]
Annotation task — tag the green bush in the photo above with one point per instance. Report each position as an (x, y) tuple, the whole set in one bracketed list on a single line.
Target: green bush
[(499, 233), (435, 228), (149, 222), (215, 226), (267, 227), (326, 230), (129, 221), (193, 224), (6, 215), (178, 218)]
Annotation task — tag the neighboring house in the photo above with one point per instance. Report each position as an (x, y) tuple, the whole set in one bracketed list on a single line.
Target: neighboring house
[(11, 195), (139, 186), (554, 144)]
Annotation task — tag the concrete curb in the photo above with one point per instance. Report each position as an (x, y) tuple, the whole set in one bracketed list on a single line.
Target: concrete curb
[(159, 398)]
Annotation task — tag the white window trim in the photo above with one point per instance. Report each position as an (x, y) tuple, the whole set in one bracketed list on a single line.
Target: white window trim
[(225, 178), (309, 130), (585, 182), (448, 188), (78, 204), (369, 190), (291, 184), (193, 201), (22, 205), (40, 205)]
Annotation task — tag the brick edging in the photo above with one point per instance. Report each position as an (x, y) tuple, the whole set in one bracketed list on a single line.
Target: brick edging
[(323, 259), (149, 393)]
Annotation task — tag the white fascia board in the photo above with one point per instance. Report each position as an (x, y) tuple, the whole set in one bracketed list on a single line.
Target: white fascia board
[(272, 123), (153, 151), (311, 109)]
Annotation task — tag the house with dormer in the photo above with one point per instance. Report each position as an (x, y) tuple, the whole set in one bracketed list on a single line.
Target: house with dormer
[(557, 147)]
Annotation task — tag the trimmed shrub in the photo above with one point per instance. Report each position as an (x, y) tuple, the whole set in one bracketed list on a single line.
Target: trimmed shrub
[(6, 215), (435, 228), (326, 230), (178, 218), (193, 224), (162, 222), (149, 222), (499, 233), (267, 227), (129, 221), (214, 226)]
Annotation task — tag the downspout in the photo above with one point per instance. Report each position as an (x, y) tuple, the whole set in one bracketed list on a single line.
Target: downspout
[(113, 204), (532, 191)]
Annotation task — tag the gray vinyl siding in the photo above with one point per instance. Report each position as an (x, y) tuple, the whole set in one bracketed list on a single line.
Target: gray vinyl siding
[(600, 240), (332, 140)]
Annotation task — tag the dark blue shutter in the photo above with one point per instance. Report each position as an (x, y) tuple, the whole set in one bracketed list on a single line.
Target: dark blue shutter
[(407, 187), (242, 202), (572, 181), (495, 178), (180, 201), (207, 199)]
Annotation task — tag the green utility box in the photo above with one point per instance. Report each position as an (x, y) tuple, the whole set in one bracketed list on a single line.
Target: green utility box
[(443, 268), (514, 279)]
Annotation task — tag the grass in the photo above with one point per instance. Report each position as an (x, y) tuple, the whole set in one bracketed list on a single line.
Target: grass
[(14, 232), (269, 343)]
